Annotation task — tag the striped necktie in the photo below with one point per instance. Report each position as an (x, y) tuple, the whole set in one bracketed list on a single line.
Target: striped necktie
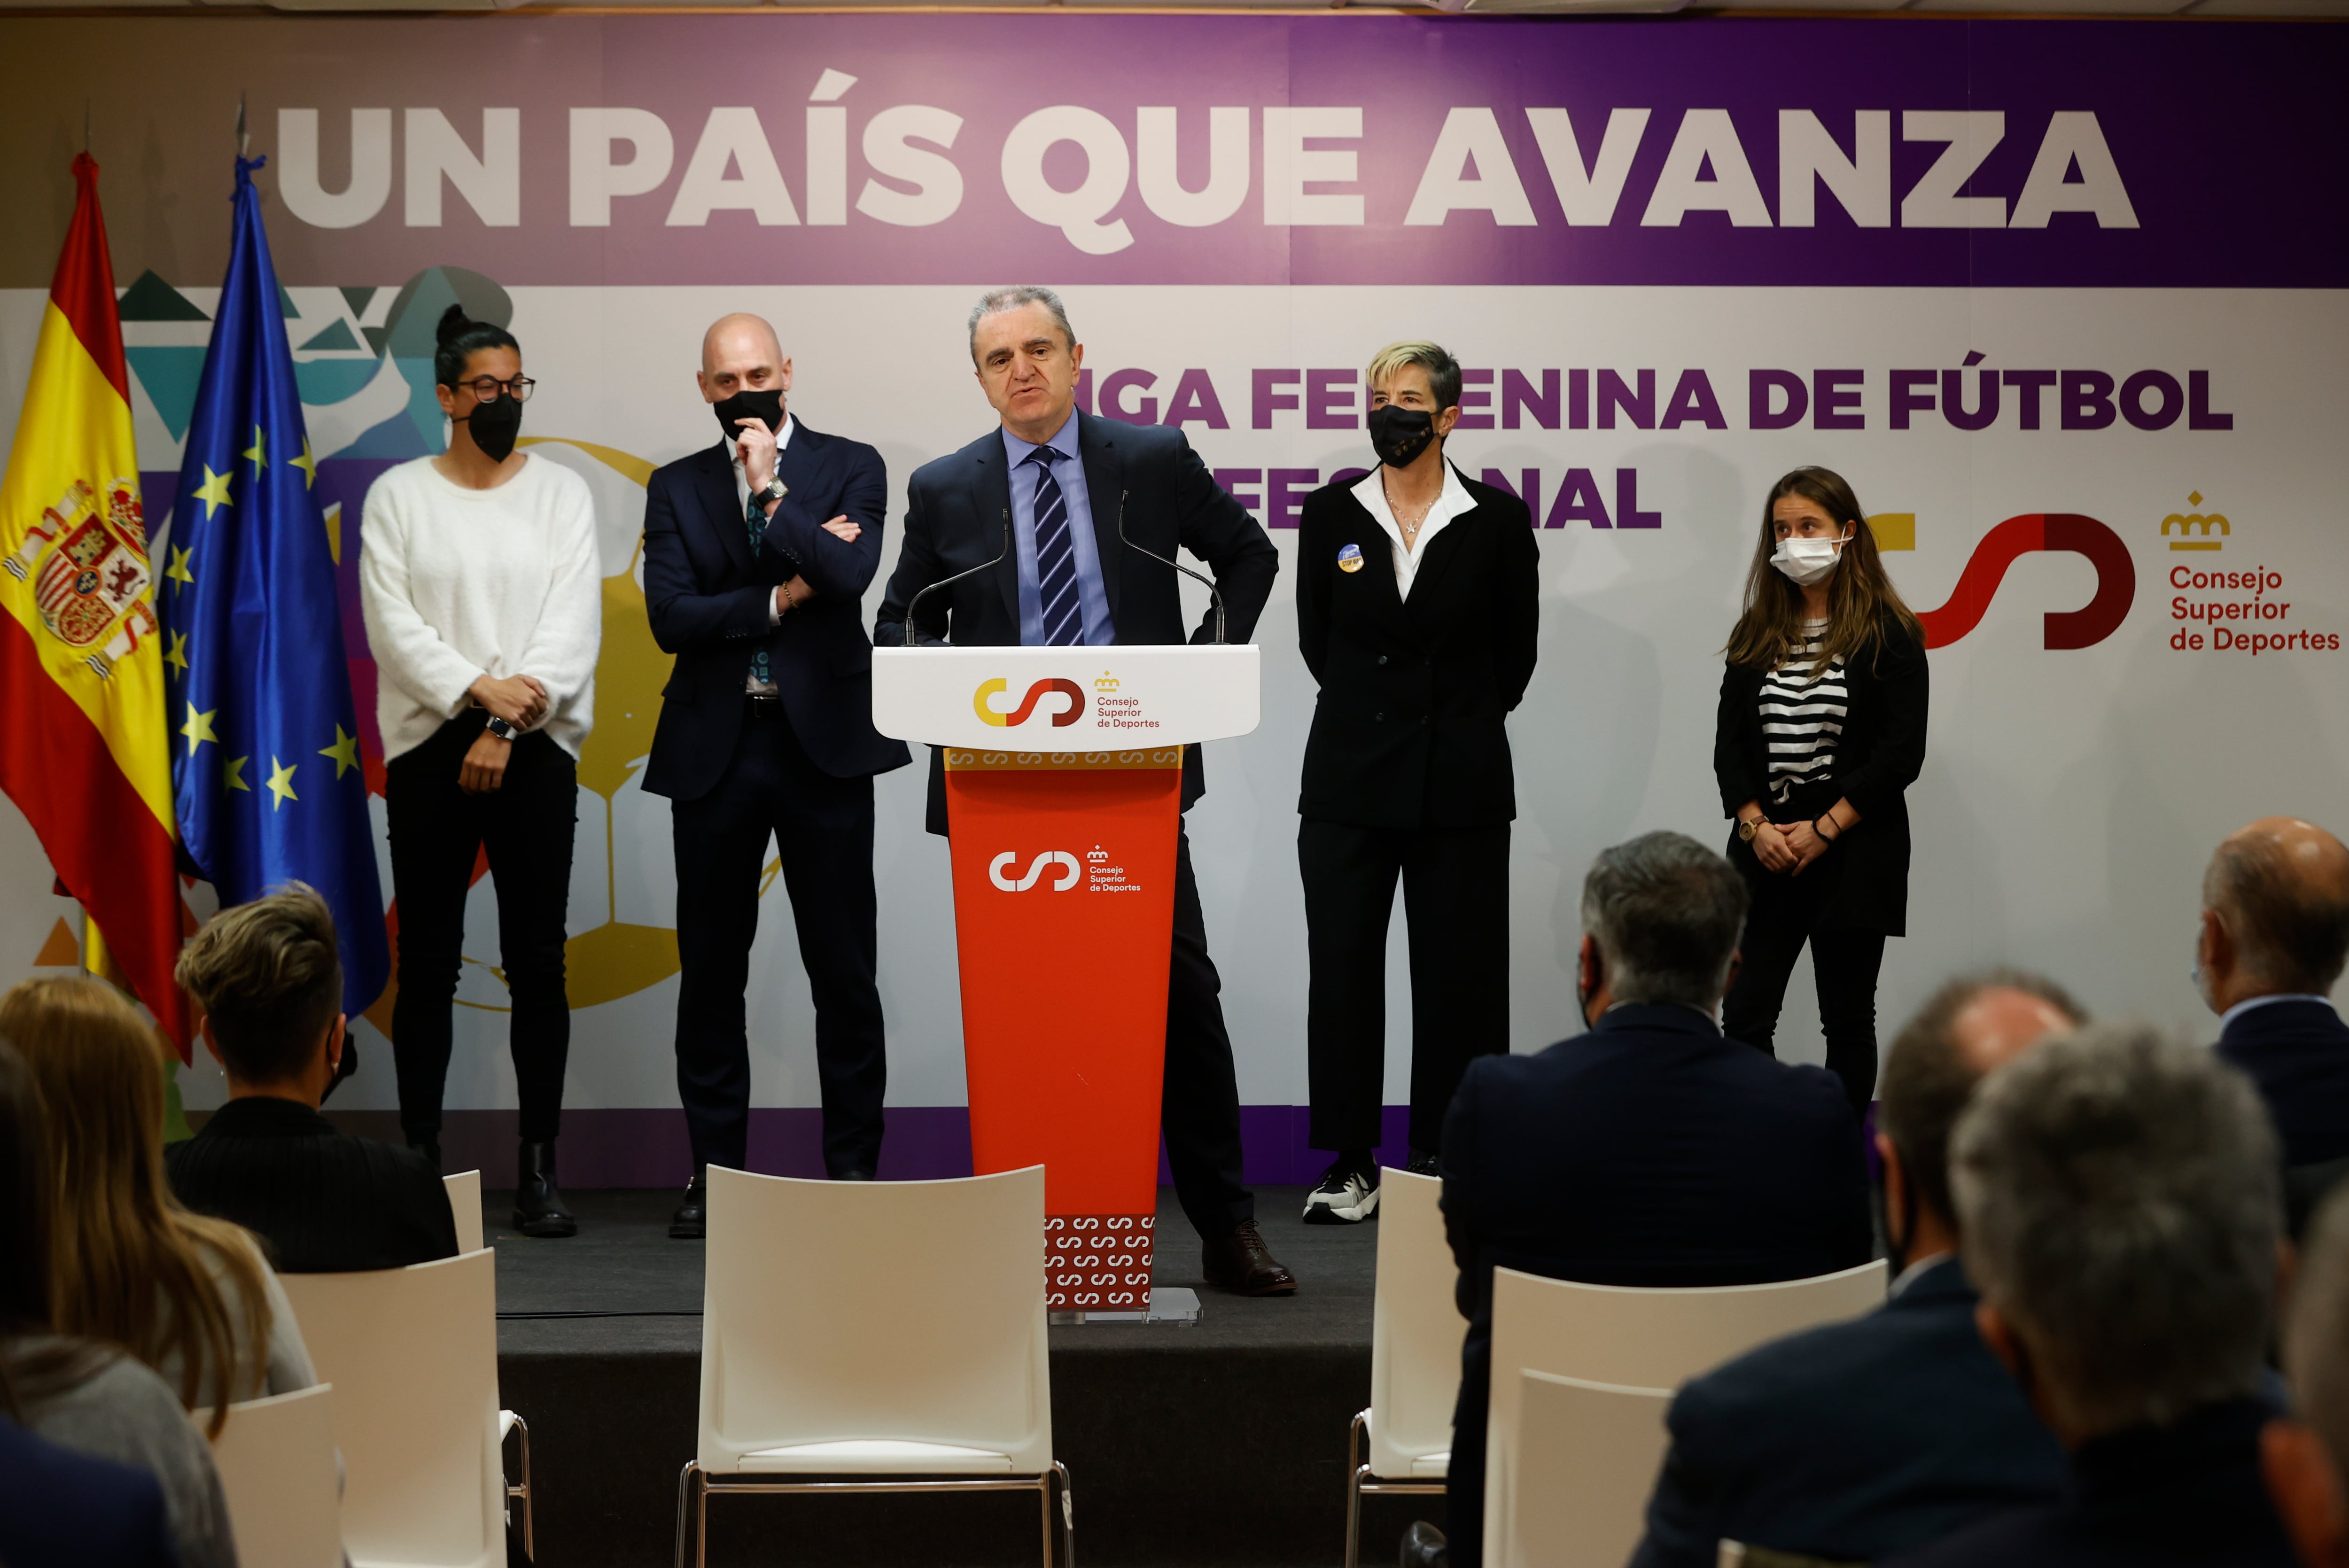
[(1056, 556)]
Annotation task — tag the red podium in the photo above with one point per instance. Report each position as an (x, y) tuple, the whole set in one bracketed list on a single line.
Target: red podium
[(1063, 779)]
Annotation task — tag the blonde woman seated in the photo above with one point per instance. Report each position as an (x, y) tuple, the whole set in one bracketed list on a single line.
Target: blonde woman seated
[(189, 1295)]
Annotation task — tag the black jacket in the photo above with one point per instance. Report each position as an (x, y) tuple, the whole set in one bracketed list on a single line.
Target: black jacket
[(1409, 728), (1877, 757), (1852, 1441), (321, 1201), (2188, 1496), (958, 516), (708, 601), (2298, 1054)]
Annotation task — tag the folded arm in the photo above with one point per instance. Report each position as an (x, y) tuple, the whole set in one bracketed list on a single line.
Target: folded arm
[(683, 617), (835, 567)]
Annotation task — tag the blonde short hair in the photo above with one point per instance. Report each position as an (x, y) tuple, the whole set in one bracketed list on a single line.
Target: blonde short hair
[(269, 979), (1443, 370)]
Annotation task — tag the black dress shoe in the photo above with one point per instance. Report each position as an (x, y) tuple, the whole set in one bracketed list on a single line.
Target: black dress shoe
[(1423, 1546), (691, 1220), (430, 1149), (1241, 1262), (854, 1175), (1423, 1163), (538, 1205)]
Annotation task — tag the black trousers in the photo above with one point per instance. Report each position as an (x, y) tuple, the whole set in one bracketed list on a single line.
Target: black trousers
[(1455, 893), (437, 831), (823, 830), (1785, 914), (1199, 1112)]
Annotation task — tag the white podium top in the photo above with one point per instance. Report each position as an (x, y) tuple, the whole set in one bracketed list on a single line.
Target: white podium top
[(1065, 699)]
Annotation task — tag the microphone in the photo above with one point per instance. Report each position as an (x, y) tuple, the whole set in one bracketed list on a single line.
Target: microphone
[(1213, 593), (913, 602)]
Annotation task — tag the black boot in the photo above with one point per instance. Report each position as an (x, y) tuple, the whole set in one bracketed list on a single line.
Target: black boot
[(430, 1149), (691, 1220), (538, 1206)]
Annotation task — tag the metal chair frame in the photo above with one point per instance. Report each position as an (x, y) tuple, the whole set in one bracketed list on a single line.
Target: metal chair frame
[(1360, 1481), (521, 1491), (695, 1499)]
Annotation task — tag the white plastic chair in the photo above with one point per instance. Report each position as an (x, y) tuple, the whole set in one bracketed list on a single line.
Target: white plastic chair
[(1635, 1338), (1415, 1333), (413, 1356), (276, 1463), (858, 1335), (465, 1205), (1596, 1447)]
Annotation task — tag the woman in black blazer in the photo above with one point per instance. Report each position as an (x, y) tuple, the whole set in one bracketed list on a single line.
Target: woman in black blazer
[(1416, 609), (1821, 730)]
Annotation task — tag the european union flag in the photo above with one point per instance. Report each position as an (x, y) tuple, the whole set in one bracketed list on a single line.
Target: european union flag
[(264, 752)]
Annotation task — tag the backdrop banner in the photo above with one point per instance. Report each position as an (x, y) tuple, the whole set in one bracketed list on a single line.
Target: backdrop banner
[(2064, 301)]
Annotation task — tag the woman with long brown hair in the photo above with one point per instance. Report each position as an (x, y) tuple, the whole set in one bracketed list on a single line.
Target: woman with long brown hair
[(189, 1295), (1820, 733)]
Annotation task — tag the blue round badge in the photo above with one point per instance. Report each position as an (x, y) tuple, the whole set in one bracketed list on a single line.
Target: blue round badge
[(1350, 558)]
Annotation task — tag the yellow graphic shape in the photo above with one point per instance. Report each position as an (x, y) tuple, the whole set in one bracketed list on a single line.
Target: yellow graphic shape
[(1894, 529), (333, 516), (2187, 526), (60, 949), (979, 702)]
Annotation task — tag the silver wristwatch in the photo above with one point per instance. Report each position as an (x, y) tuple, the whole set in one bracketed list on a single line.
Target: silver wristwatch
[(501, 728), (773, 490)]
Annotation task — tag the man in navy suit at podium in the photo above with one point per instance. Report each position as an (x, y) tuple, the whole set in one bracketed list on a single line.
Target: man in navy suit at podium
[(1045, 498), (757, 552)]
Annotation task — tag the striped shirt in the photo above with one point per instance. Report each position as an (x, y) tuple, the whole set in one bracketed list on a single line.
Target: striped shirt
[(1801, 722)]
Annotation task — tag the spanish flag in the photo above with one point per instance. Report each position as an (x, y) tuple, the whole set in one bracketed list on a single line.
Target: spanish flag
[(83, 751)]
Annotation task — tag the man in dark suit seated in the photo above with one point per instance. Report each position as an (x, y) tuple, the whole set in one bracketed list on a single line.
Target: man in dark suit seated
[(1647, 1151), (2119, 1198), (1051, 521), (324, 1202), (1853, 1441), (2275, 933)]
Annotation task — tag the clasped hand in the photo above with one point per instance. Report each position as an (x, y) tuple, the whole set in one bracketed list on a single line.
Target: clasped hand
[(1787, 849), (520, 701)]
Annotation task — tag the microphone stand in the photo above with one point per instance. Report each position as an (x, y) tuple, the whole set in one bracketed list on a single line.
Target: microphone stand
[(915, 601), (1214, 594)]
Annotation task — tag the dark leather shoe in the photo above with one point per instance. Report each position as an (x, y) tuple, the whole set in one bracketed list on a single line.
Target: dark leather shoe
[(1241, 1262), (691, 1220), (854, 1175), (430, 1149), (1423, 1163), (1423, 1546), (539, 1209)]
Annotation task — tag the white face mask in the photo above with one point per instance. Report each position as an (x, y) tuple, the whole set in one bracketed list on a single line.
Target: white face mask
[(1805, 560)]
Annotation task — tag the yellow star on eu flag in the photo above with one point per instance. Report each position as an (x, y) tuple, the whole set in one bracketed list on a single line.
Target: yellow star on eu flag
[(199, 728), (232, 774), (281, 783), (178, 657), (345, 751), (308, 464), (259, 451), (213, 491), (178, 571)]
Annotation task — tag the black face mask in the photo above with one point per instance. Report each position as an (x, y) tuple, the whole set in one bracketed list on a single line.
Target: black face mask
[(1399, 434), (495, 424), (764, 404)]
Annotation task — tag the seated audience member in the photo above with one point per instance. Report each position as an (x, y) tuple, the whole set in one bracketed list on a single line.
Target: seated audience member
[(189, 1295), (1863, 1439), (2304, 1457), (99, 1464), (321, 1200), (2119, 1200), (1647, 1151), (2275, 932)]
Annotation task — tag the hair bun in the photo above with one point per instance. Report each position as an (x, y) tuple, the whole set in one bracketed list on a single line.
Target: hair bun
[(453, 327)]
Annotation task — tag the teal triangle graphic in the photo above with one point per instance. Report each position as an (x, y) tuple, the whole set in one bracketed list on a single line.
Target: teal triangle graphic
[(376, 337), (358, 299), (285, 304), (152, 299), (170, 376), (338, 335), (325, 381)]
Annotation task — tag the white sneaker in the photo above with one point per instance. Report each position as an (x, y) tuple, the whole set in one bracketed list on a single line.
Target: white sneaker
[(1342, 1198)]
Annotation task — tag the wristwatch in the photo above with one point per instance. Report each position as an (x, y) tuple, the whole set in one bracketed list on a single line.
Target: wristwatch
[(773, 490), (1745, 830), (501, 728)]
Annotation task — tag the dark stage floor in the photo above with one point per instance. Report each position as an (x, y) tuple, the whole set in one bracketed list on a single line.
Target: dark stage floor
[(1223, 1443)]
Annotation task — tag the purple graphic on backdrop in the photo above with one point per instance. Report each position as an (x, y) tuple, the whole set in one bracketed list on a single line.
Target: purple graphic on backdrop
[(1341, 150)]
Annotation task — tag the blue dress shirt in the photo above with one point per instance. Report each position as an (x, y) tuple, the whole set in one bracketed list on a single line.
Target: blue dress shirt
[(1068, 472)]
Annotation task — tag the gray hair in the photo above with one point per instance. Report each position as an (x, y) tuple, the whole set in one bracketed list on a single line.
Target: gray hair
[(2317, 1334), (2291, 926), (2121, 1200), (995, 302), (1666, 914)]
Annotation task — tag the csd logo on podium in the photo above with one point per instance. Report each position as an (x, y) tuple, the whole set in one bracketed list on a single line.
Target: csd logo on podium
[(1036, 694), (1065, 862)]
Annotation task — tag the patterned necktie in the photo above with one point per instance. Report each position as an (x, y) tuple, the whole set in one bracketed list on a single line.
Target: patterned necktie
[(1056, 557), (754, 518)]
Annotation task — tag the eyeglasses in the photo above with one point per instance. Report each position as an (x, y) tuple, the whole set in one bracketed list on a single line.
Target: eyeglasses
[(486, 388)]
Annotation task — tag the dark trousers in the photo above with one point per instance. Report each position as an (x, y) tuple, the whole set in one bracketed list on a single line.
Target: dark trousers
[(1199, 1112), (1785, 914), (437, 831), (823, 830), (1463, 1477), (1456, 894)]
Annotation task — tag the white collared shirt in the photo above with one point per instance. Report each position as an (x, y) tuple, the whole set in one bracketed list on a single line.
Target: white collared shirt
[(2227, 1018), (1450, 502), (752, 683)]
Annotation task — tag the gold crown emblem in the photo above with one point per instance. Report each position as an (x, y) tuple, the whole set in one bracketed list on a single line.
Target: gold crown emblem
[(1108, 682), (2189, 525)]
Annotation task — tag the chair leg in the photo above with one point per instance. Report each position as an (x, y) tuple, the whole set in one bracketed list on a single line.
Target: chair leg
[(1068, 1517), (1354, 1469), (684, 1493), (529, 1501)]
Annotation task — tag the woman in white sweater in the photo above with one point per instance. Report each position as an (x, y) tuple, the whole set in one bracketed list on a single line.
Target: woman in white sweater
[(483, 595)]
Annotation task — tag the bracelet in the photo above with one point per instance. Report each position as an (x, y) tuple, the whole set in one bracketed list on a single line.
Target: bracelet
[(1825, 838), (790, 601)]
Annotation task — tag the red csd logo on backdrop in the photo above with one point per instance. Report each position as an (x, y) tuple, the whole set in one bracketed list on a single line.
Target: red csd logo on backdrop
[(2020, 536), (1056, 686)]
